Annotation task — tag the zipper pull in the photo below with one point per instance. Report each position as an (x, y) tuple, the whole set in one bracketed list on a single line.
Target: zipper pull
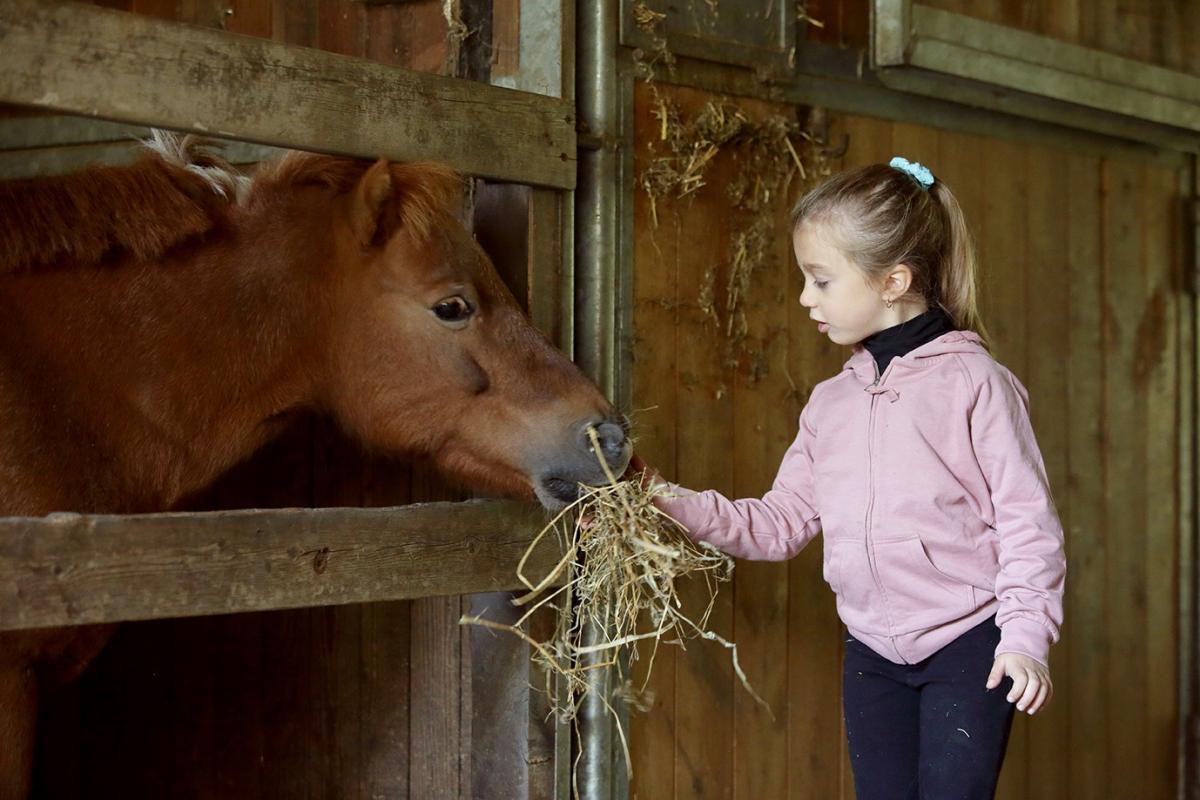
[(891, 393)]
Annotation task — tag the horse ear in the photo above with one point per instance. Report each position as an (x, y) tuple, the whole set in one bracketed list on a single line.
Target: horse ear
[(371, 197)]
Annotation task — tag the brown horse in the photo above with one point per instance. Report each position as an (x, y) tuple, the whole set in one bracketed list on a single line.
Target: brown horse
[(162, 321)]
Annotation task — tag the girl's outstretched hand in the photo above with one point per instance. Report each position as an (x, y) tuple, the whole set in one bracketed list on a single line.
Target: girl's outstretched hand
[(638, 467), (1031, 689)]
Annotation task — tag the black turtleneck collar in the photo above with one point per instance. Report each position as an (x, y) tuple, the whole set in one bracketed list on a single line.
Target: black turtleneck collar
[(902, 339)]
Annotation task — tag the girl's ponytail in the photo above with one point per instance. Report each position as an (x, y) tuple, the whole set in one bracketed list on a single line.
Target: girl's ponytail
[(956, 290)]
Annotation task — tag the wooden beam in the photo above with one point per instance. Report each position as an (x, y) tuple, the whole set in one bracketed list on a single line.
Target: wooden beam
[(890, 33), (1052, 55), (61, 159), (71, 569), (931, 51), (829, 78), (116, 65)]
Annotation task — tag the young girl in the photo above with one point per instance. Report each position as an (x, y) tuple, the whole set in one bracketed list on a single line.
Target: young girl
[(919, 464)]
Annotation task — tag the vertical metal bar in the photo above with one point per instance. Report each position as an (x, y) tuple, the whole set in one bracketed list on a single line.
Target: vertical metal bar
[(626, 181), (595, 192), (596, 237)]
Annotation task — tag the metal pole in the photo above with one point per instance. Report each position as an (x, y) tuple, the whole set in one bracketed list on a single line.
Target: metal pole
[(596, 236), (596, 189)]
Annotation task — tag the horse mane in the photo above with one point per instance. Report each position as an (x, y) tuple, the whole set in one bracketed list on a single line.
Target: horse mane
[(425, 192), (176, 190)]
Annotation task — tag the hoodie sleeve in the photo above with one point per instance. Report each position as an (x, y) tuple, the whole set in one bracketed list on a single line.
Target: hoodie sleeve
[(773, 528), (1032, 561)]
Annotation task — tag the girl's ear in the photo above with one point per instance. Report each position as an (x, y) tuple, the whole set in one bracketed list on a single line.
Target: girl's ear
[(897, 282), (371, 199)]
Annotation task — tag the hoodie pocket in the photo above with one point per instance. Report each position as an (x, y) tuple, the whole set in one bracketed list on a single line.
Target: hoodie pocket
[(919, 595), (848, 572)]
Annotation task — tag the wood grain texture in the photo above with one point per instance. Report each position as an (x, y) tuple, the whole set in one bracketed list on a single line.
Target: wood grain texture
[(76, 569), (1086, 612), (655, 419), (1046, 298), (1158, 373), (761, 435), (704, 682), (92, 61), (1125, 424)]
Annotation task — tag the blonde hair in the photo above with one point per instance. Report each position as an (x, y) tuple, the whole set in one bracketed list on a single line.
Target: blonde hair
[(880, 216)]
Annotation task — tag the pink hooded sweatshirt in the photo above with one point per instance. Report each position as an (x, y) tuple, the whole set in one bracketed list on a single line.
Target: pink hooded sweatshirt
[(929, 487)]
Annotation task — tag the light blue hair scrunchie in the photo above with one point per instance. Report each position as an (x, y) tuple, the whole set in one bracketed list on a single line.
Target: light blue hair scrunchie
[(919, 173)]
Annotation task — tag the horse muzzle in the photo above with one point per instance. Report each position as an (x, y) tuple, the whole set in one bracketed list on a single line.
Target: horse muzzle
[(557, 483)]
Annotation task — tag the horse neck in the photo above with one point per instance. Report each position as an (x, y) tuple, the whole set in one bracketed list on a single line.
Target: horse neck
[(166, 374)]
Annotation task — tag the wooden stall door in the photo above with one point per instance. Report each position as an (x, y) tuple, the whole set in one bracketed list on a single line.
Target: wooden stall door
[(386, 700), (1082, 289)]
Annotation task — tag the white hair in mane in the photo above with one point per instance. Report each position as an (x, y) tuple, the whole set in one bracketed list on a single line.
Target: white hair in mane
[(193, 153)]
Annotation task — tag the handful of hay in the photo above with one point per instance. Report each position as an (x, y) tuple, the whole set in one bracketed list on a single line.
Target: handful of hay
[(622, 558)]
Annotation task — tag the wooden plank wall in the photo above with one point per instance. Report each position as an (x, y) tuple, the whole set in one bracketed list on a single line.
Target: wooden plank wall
[(1082, 292), (1155, 31), (369, 701)]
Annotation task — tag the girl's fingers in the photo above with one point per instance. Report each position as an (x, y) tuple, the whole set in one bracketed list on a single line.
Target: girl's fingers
[(996, 675), (636, 465), (1033, 685), (1042, 696), (1019, 678), (1036, 702)]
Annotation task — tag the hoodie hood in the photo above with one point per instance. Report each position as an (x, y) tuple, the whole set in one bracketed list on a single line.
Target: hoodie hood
[(862, 363)]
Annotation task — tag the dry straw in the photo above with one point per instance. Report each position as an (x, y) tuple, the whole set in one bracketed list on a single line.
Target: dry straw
[(622, 563)]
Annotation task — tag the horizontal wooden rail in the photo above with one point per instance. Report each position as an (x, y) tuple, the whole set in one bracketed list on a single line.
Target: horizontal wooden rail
[(116, 65), (71, 569), (952, 56)]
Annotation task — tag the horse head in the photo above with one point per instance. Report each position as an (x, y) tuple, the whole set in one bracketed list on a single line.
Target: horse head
[(427, 351)]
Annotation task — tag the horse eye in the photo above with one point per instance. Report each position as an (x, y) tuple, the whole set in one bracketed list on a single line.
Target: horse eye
[(456, 309)]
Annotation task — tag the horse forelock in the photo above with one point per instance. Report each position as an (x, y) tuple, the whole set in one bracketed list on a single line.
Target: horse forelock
[(425, 193), (195, 154), (176, 191)]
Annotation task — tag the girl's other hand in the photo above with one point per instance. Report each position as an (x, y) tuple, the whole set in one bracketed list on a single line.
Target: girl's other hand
[(1031, 689)]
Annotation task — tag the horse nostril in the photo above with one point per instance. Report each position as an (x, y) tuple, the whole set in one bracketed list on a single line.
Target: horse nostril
[(612, 439)]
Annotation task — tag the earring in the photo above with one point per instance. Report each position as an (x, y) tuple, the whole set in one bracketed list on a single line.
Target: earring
[(887, 302)]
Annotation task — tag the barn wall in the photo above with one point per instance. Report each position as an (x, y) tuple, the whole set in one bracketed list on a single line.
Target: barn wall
[(1082, 292)]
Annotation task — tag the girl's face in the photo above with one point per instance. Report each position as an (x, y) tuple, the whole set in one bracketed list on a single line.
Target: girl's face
[(836, 292)]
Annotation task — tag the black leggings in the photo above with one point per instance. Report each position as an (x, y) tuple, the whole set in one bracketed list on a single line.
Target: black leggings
[(927, 731)]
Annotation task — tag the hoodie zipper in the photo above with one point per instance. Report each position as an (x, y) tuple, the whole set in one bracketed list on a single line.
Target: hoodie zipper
[(871, 484)]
